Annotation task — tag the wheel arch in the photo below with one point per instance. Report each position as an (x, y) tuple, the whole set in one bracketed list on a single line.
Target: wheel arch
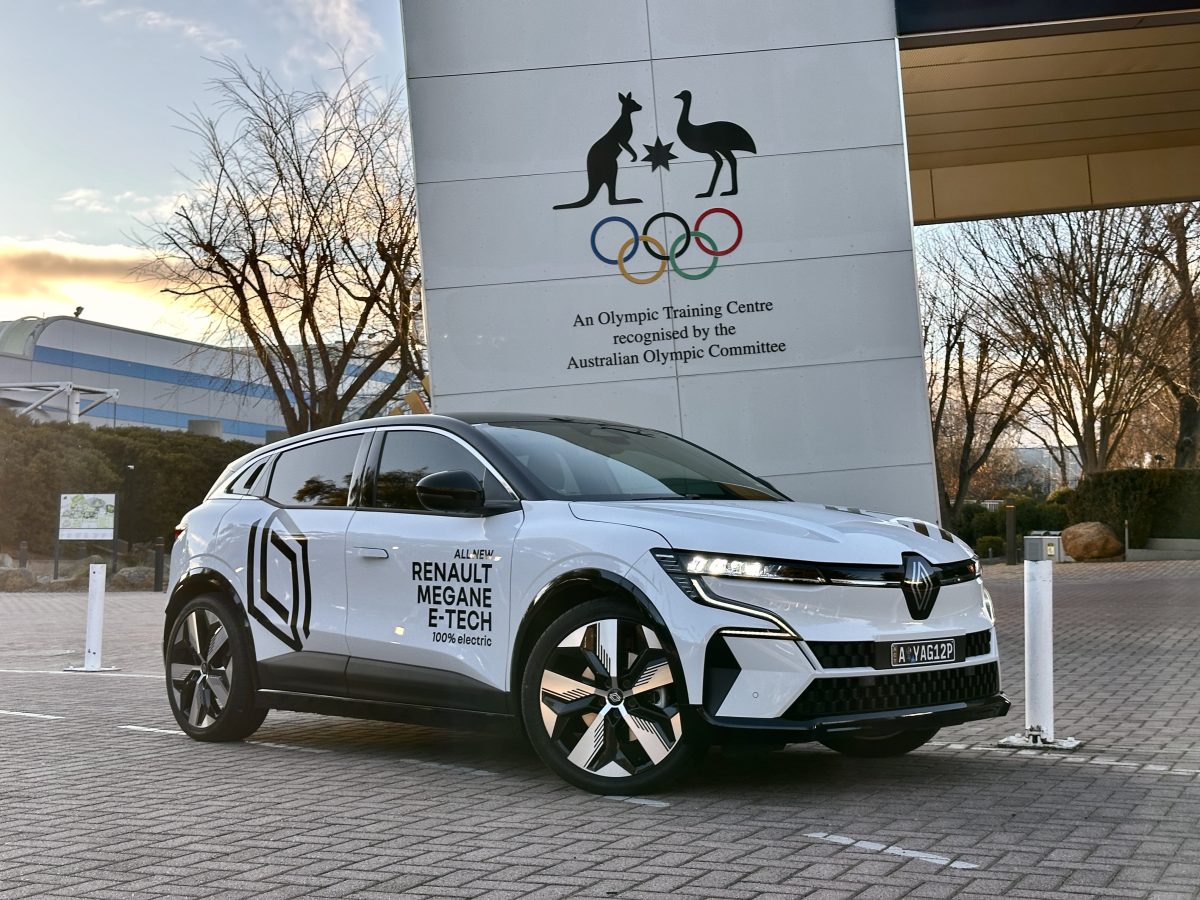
[(564, 592), (204, 581)]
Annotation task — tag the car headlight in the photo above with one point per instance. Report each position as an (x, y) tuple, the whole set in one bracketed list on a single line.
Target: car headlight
[(989, 608), (743, 567), (688, 569)]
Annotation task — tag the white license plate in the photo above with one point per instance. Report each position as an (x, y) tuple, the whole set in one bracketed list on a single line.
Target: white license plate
[(925, 653)]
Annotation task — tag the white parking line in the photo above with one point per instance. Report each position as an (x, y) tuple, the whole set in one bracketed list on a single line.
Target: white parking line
[(25, 715), (640, 801), (891, 849), (76, 673), (275, 746), (1082, 759), (142, 728)]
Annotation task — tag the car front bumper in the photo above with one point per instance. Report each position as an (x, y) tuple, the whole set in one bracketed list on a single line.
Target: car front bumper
[(787, 730)]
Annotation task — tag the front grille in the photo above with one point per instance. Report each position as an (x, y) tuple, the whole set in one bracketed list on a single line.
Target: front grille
[(861, 654), (843, 654), (979, 643), (884, 693)]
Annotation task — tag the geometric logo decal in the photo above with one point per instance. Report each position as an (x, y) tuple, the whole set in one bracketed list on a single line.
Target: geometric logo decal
[(278, 584), (921, 585)]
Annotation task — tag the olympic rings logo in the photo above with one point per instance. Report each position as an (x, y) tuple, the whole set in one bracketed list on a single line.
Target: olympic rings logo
[(666, 257)]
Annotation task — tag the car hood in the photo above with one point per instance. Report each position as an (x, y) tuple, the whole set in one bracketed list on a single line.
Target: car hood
[(781, 530)]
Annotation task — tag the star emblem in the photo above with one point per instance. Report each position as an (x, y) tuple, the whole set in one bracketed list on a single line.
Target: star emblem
[(659, 155)]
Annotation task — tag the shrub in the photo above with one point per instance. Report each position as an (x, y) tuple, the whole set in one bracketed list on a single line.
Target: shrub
[(1061, 496), (989, 545), (976, 521), (171, 471), (1162, 503)]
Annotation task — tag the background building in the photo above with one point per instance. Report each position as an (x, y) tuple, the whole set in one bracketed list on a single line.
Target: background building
[(161, 382), (697, 215)]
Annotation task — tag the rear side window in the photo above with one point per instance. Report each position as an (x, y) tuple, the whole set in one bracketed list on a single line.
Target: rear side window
[(315, 474), (245, 481)]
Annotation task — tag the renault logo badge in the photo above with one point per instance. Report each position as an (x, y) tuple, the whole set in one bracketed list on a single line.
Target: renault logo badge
[(921, 585)]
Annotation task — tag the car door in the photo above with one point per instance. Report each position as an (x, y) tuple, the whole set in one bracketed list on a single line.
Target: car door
[(428, 620), (294, 564)]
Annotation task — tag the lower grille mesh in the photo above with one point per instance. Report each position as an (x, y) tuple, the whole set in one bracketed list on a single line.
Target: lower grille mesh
[(884, 693)]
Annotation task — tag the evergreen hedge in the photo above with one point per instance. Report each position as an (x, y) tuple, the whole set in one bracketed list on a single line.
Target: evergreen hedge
[(976, 522), (171, 472), (1160, 503)]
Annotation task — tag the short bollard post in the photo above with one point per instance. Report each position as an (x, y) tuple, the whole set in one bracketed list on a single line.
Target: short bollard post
[(1010, 534), (158, 564), (23, 555), (95, 623), (1040, 553)]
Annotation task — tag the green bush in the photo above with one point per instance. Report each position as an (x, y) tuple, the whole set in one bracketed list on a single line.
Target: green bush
[(976, 521), (1163, 503), (990, 545), (171, 472), (1061, 496)]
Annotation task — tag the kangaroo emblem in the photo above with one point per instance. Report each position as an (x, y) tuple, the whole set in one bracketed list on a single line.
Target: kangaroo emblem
[(602, 158)]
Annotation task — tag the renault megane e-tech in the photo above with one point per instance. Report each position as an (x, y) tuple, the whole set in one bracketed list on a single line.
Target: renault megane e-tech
[(625, 596)]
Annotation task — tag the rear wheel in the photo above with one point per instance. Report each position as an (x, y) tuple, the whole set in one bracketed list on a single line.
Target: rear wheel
[(208, 662), (871, 746), (603, 701)]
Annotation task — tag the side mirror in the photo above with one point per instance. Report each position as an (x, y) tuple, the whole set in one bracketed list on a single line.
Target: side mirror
[(456, 491)]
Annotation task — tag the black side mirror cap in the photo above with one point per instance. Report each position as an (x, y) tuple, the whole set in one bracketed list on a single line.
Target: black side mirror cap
[(456, 491)]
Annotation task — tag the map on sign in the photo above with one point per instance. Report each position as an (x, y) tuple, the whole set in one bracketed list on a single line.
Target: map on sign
[(86, 517)]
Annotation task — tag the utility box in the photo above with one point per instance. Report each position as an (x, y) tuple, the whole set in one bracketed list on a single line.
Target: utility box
[(1043, 545)]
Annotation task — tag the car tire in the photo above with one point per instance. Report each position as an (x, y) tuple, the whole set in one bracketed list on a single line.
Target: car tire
[(871, 746), (603, 651), (209, 666)]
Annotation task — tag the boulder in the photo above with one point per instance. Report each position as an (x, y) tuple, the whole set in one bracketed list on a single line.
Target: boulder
[(1091, 540), (135, 578), (16, 579)]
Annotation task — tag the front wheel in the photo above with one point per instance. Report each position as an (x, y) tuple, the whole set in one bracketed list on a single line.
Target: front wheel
[(878, 746), (208, 662), (603, 701)]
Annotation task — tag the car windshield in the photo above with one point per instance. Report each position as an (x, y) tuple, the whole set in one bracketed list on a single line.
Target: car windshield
[(592, 461)]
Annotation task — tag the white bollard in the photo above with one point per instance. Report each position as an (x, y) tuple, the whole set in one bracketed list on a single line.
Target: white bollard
[(95, 618), (95, 622), (1041, 550), (1039, 649)]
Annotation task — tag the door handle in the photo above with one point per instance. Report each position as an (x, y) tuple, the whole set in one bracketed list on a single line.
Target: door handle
[(371, 552)]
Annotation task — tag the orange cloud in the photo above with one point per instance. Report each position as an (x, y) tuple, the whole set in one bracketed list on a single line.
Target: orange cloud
[(52, 277)]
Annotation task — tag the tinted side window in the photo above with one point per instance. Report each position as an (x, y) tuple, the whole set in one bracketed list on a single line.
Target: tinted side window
[(315, 474), (242, 484), (408, 456)]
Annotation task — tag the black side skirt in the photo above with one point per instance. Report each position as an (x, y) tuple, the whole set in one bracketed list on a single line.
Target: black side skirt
[(385, 712), (329, 683)]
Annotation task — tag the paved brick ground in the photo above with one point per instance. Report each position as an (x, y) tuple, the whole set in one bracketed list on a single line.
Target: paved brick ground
[(107, 800)]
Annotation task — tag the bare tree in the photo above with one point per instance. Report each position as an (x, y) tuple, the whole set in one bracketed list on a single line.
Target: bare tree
[(1175, 244), (1078, 292), (978, 385), (299, 233)]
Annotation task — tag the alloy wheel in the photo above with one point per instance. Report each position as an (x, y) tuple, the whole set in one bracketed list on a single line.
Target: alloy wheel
[(201, 667), (609, 700)]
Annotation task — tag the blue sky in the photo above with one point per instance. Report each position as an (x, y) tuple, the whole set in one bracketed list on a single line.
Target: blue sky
[(91, 140)]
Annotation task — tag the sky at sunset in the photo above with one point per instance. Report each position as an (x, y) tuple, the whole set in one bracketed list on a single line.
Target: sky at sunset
[(91, 140)]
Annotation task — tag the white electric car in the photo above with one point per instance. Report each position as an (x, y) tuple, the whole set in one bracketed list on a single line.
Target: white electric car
[(626, 596)]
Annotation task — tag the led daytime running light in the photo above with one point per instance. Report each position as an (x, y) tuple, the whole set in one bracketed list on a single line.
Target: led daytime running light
[(725, 567)]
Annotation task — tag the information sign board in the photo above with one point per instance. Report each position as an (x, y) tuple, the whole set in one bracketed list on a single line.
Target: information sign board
[(87, 517)]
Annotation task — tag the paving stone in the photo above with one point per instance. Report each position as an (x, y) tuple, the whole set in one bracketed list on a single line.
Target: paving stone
[(90, 809)]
